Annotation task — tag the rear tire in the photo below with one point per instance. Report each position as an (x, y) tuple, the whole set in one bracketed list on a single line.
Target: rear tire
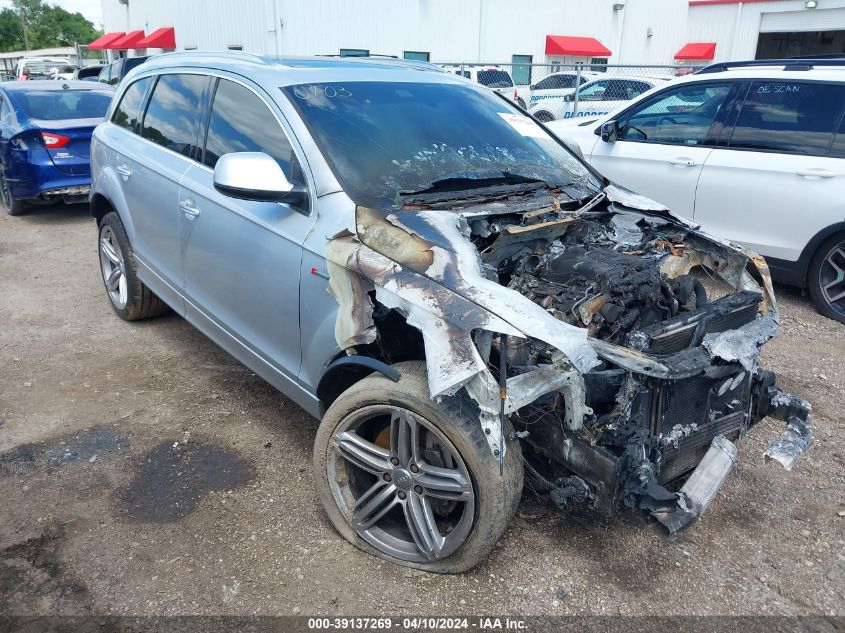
[(129, 297), (826, 278), (12, 205), (371, 417)]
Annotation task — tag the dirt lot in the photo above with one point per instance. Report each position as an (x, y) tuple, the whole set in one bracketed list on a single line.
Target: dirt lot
[(144, 471)]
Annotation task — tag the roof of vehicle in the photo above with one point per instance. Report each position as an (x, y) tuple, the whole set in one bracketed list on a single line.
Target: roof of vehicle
[(297, 70), (51, 84), (605, 77)]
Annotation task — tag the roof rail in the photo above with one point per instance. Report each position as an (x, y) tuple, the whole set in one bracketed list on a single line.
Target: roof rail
[(259, 59), (795, 63)]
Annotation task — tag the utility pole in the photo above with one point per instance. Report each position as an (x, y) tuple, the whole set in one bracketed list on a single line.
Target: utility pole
[(22, 13)]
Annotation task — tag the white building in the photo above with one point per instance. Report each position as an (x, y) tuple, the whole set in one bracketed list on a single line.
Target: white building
[(505, 31)]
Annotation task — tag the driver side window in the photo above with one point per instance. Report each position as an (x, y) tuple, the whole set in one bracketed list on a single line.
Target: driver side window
[(678, 116)]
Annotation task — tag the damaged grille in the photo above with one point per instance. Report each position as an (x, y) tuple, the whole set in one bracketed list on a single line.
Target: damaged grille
[(693, 411)]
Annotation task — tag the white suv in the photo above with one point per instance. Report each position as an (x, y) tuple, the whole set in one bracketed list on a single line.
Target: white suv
[(494, 77), (752, 151)]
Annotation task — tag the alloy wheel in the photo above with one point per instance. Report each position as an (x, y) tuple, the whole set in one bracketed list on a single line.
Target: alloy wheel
[(832, 278), (401, 484), (113, 267)]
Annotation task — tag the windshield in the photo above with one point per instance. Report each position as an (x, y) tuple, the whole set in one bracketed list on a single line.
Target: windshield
[(56, 105), (382, 139)]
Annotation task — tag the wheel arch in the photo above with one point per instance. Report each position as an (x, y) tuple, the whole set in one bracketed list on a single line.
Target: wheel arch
[(396, 341), (795, 273)]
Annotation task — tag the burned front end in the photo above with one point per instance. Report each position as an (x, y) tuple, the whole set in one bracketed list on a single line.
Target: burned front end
[(616, 342)]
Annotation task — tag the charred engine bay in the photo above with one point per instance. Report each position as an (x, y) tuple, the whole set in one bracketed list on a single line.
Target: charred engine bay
[(597, 270)]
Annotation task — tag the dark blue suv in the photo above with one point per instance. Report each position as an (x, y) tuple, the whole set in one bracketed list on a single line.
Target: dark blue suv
[(45, 140)]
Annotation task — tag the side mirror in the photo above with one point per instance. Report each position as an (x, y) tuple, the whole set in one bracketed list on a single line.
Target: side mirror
[(610, 131), (256, 176), (569, 97)]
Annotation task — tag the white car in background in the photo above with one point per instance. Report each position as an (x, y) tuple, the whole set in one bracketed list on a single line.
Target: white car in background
[(558, 85), (494, 77), (754, 153), (595, 98)]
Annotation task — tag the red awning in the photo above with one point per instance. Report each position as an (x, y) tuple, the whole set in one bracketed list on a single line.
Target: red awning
[(697, 50), (103, 41), (575, 46), (130, 40), (160, 38)]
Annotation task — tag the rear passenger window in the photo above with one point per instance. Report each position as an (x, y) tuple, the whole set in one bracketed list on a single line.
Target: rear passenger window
[(242, 122), (794, 118), (5, 111), (128, 112), (838, 149), (171, 116)]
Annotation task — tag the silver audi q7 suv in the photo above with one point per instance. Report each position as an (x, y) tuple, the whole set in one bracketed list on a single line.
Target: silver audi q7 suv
[(467, 306)]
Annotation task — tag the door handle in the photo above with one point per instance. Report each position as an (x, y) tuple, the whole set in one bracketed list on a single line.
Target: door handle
[(683, 162), (815, 173), (124, 171), (189, 208)]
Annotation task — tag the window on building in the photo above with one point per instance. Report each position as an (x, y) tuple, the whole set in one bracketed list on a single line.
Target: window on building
[(242, 122), (598, 64), (679, 116), (354, 52), (521, 69), (790, 117), (420, 56), (128, 112), (171, 116)]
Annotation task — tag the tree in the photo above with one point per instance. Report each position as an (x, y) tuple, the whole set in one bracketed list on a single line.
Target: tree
[(46, 26), (11, 34)]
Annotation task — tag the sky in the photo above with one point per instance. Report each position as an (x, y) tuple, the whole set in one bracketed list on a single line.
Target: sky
[(91, 9)]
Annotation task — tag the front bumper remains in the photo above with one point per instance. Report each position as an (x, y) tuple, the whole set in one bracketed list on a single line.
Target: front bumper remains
[(682, 509)]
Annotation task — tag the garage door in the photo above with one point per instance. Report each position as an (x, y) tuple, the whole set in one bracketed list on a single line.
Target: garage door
[(806, 20)]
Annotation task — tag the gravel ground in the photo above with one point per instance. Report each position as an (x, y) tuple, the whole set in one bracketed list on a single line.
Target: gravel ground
[(144, 471)]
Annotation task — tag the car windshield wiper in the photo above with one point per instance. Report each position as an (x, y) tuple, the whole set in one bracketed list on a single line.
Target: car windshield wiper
[(447, 188)]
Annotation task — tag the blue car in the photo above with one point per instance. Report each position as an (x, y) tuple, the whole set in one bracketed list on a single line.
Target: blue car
[(45, 140)]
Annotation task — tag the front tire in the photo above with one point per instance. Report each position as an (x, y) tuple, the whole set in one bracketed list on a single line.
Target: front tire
[(826, 278), (129, 297), (411, 480), (544, 117)]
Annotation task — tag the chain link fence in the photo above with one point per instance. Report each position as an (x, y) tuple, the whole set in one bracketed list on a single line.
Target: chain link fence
[(565, 91)]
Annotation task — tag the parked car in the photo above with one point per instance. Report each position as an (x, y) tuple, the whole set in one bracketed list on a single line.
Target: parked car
[(498, 310), (560, 84), (117, 70), (754, 153), (45, 138), (63, 73), (88, 73), (495, 78), (38, 67), (595, 98)]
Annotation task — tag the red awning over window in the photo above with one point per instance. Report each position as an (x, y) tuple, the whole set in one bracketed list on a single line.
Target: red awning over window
[(575, 46), (130, 40), (697, 50), (103, 41), (160, 38)]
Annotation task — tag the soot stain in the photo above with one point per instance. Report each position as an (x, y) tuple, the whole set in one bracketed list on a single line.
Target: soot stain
[(174, 477)]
